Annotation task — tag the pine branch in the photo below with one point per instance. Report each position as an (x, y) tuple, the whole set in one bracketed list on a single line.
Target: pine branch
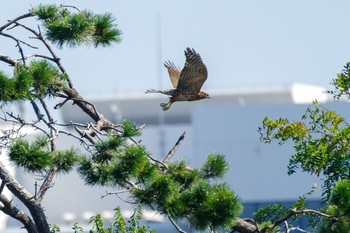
[(53, 130), (297, 212), (26, 198), (244, 226), (8, 60), (55, 58), (17, 120), (19, 42), (18, 214), (175, 225), (46, 184), (15, 20)]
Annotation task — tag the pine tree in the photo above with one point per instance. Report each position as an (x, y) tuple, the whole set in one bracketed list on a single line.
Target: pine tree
[(112, 156)]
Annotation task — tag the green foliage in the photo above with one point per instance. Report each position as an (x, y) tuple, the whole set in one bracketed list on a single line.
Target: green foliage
[(73, 29), (130, 129), (177, 190), (118, 224), (205, 205), (33, 157), (270, 213), (106, 149), (36, 156), (180, 173), (40, 79), (95, 173), (46, 78), (282, 130), (77, 228), (64, 160), (321, 143), (339, 206), (211, 205), (134, 222), (23, 82), (215, 166), (134, 161), (342, 83), (6, 85), (115, 162), (162, 193), (340, 198), (104, 33), (13, 89), (54, 229), (46, 12)]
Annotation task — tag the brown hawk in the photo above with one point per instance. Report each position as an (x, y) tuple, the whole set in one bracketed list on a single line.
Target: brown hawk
[(187, 82)]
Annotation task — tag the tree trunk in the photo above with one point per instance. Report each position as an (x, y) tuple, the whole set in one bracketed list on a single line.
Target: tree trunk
[(28, 200)]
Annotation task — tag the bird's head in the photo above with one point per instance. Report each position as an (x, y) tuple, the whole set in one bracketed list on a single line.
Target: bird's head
[(203, 95)]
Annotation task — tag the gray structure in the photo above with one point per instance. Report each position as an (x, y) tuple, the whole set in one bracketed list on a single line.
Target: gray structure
[(226, 123)]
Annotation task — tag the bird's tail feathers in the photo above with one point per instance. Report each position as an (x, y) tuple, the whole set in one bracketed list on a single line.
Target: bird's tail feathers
[(152, 91), (165, 92)]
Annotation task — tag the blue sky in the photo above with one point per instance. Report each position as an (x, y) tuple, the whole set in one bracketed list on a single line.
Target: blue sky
[(243, 43)]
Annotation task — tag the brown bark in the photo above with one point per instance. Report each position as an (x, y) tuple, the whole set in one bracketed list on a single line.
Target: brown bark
[(37, 213), (244, 226)]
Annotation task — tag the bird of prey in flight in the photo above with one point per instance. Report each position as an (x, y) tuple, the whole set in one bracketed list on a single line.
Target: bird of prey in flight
[(187, 82)]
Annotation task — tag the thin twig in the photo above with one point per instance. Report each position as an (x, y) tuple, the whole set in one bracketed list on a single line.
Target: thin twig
[(175, 225), (73, 135), (296, 212), (114, 193), (70, 6), (85, 135), (15, 20), (53, 130), (18, 42), (157, 161), (174, 149), (41, 56), (17, 120), (55, 58), (117, 194)]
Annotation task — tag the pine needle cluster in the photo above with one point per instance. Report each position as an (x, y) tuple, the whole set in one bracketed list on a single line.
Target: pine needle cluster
[(36, 156), (176, 190), (38, 79), (64, 27)]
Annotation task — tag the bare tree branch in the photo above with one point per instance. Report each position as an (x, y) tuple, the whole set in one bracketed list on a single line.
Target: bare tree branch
[(8, 60), (15, 20), (245, 226), (174, 149), (46, 184), (175, 225), (293, 212), (18, 42)]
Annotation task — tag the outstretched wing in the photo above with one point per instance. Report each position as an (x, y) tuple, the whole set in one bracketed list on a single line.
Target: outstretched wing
[(174, 72), (194, 73)]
